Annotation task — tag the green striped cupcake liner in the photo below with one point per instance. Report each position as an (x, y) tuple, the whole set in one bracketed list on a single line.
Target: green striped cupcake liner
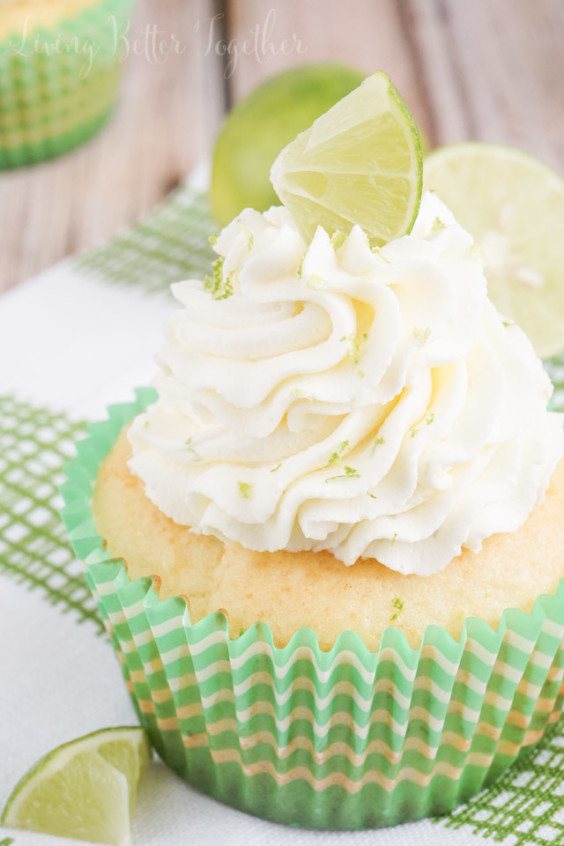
[(58, 86), (344, 739)]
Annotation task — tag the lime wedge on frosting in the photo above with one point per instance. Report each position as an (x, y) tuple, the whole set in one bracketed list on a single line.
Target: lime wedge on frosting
[(261, 124), (85, 789), (513, 204), (359, 163)]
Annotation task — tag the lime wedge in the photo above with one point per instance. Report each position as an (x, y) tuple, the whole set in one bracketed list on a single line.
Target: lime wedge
[(513, 204), (85, 789), (360, 163), (260, 125)]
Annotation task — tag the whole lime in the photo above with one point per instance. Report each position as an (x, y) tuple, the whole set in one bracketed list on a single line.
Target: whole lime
[(261, 125)]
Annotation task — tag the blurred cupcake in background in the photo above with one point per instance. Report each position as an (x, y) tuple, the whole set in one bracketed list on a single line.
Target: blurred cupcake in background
[(60, 67)]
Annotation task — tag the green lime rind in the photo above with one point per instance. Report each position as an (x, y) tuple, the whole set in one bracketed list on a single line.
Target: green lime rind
[(419, 155), (112, 760), (260, 125), (513, 205), (359, 163)]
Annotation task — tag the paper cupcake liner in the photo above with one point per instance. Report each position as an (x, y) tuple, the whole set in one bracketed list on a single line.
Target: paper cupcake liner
[(344, 739), (58, 86)]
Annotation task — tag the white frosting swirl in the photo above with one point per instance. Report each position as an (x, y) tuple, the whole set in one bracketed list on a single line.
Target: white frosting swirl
[(373, 404)]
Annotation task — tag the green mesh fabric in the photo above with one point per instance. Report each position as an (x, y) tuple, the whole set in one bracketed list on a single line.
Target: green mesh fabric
[(34, 445), (170, 245), (526, 805)]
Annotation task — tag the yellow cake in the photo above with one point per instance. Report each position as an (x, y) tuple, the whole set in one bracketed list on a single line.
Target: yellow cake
[(289, 590)]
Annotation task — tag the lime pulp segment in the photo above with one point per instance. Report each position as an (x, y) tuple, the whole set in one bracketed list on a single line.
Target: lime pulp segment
[(359, 163)]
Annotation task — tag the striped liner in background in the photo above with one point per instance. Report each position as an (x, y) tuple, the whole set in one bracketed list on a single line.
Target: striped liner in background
[(54, 99)]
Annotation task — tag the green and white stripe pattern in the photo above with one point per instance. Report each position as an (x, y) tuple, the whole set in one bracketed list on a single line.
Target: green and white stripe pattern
[(52, 98), (344, 739)]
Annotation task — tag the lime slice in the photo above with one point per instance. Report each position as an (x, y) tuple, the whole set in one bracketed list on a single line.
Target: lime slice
[(85, 789), (260, 125), (513, 204), (360, 162)]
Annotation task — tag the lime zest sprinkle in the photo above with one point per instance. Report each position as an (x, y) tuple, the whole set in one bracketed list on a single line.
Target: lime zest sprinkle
[(430, 418), (278, 466), (476, 253), (350, 473), (354, 347), (373, 496), (413, 432), (378, 252), (213, 239), (338, 238), (421, 335), (219, 286), (249, 234), (188, 443), (378, 442), (394, 539), (317, 282), (335, 456), (299, 271), (245, 489), (508, 323), (438, 224), (146, 424), (399, 605), (361, 374)]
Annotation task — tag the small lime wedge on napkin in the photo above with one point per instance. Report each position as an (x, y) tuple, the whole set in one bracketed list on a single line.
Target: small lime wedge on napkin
[(359, 163), (261, 124), (513, 205), (85, 789)]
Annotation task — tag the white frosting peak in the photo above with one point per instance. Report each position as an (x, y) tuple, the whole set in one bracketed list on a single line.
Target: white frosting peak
[(326, 396)]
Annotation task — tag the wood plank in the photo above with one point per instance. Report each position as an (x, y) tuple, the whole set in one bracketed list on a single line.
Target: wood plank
[(169, 113), (494, 70), (486, 69), (367, 34)]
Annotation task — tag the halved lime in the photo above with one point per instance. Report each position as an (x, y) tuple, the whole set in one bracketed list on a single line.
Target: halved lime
[(360, 163), (513, 204), (85, 789), (260, 125)]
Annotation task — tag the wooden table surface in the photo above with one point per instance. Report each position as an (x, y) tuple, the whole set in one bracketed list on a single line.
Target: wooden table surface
[(486, 69)]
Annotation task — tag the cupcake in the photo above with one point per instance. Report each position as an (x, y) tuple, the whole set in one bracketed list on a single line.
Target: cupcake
[(326, 543), (60, 67)]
